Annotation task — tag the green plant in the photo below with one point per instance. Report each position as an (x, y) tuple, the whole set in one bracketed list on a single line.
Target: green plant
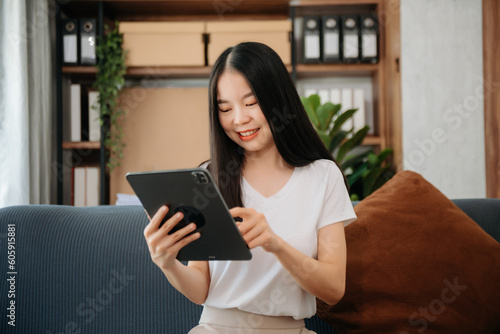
[(365, 170), (110, 80)]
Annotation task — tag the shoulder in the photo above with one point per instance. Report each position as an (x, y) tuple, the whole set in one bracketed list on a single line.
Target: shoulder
[(323, 168)]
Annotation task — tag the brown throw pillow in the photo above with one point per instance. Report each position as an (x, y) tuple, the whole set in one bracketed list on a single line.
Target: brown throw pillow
[(416, 263)]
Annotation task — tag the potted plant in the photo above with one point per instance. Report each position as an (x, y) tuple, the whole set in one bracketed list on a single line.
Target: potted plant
[(365, 170), (110, 80)]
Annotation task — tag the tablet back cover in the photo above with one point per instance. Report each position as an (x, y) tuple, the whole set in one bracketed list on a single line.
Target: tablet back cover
[(193, 192)]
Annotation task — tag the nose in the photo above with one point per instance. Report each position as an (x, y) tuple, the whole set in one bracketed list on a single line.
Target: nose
[(240, 116)]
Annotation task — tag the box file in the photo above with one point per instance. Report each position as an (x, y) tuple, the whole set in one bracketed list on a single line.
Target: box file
[(87, 41), (331, 39), (312, 39), (369, 38), (350, 39), (70, 41)]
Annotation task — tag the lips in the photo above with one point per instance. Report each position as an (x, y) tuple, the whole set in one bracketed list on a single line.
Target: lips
[(248, 134)]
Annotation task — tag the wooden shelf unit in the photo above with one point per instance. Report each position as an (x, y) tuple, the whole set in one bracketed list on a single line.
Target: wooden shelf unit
[(385, 73), (87, 145), (300, 8)]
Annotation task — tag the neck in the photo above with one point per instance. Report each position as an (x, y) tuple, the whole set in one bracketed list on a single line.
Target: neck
[(269, 158)]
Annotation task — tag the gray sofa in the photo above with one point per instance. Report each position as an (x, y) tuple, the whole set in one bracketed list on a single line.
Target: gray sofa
[(88, 270)]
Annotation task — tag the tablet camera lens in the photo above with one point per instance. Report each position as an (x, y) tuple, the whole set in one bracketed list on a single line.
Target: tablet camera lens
[(200, 177)]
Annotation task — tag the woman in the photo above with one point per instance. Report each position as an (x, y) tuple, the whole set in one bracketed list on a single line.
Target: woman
[(277, 176)]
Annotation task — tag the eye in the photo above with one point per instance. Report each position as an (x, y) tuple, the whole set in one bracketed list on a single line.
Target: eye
[(224, 110), (251, 104)]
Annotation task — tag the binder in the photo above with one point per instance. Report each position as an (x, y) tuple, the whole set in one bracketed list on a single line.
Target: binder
[(359, 118), (346, 96), (324, 95), (86, 184), (92, 186), (312, 39), (369, 38), (335, 96), (331, 38), (350, 39), (75, 113), (310, 91), (79, 186), (70, 41), (87, 41)]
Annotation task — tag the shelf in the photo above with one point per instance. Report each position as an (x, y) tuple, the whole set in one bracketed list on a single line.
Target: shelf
[(169, 71), (325, 70), (372, 140), (150, 71), (87, 145), (309, 3), (159, 10)]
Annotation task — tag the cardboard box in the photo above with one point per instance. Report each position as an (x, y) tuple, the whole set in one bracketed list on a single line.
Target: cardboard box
[(164, 43), (167, 129), (274, 33)]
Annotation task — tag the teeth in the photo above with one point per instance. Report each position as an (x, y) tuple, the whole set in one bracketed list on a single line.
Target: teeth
[(248, 133)]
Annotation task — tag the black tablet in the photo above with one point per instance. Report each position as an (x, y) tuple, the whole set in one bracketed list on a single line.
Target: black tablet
[(194, 193)]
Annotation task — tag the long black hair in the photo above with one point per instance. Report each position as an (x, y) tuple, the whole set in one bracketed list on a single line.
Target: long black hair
[(294, 135)]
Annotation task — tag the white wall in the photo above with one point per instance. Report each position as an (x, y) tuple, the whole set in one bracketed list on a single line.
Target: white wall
[(442, 94)]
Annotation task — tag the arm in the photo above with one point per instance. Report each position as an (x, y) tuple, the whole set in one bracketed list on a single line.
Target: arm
[(323, 278), (192, 280)]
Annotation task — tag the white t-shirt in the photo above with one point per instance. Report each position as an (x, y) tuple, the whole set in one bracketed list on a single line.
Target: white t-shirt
[(314, 196)]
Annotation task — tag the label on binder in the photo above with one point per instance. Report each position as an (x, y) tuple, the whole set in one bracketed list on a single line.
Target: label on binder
[(351, 47), (369, 45), (332, 43), (70, 46), (311, 46)]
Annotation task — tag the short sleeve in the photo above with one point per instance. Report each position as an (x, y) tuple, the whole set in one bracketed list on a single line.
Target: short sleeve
[(337, 206)]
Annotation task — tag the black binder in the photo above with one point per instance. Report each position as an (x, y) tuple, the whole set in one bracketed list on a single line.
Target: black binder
[(350, 39), (369, 38), (312, 39), (331, 38), (70, 41), (87, 41)]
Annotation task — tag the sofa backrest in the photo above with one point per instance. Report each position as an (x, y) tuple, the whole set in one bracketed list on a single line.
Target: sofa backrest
[(82, 270), (88, 270)]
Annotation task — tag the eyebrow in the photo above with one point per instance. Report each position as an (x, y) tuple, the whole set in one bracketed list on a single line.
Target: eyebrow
[(244, 97)]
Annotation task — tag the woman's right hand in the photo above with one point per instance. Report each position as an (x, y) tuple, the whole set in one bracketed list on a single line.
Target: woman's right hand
[(164, 247)]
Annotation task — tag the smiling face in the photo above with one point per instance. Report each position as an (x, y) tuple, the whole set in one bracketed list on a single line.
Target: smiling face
[(240, 115)]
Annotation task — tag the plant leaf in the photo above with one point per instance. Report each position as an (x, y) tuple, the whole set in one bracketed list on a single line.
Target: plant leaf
[(325, 138), (325, 114), (310, 112), (354, 160), (339, 121), (357, 174), (371, 178), (356, 140), (385, 154), (314, 101), (337, 139)]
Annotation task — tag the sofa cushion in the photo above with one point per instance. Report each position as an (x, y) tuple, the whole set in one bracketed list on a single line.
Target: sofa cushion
[(417, 263)]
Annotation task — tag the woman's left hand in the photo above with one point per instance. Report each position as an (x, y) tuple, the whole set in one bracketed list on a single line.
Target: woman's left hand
[(255, 229)]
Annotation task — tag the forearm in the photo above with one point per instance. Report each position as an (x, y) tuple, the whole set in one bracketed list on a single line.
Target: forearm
[(324, 280), (189, 281)]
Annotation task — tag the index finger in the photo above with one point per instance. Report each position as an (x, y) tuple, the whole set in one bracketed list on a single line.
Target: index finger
[(154, 223), (240, 212)]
